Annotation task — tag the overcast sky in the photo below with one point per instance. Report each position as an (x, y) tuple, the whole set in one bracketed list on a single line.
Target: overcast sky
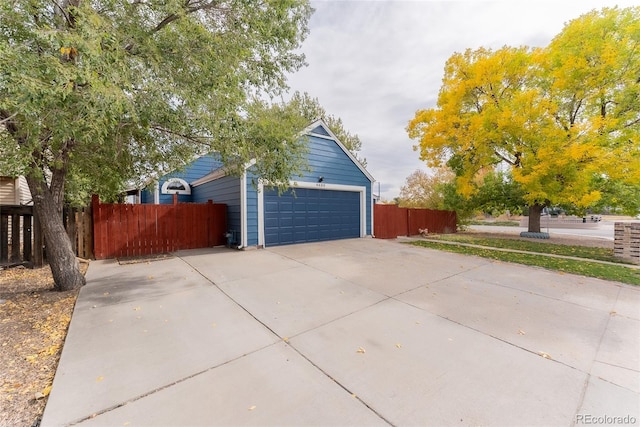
[(374, 63)]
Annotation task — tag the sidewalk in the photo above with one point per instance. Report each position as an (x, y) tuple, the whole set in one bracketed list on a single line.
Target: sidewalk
[(471, 245)]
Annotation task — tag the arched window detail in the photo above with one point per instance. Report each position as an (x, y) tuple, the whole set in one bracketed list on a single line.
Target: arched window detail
[(176, 186)]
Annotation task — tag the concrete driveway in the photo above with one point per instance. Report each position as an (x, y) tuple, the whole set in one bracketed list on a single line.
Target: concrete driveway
[(350, 332)]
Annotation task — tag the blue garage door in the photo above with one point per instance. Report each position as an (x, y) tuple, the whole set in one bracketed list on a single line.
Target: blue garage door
[(310, 216)]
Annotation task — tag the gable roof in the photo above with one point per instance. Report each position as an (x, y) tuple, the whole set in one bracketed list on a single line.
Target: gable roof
[(320, 129), (317, 128)]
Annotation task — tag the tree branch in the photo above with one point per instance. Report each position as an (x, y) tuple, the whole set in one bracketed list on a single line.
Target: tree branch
[(64, 13), (635, 122), (188, 9), (192, 138), (11, 126), (501, 156), (574, 114)]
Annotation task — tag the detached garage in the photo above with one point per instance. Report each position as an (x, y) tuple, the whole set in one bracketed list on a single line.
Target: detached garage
[(331, 201)]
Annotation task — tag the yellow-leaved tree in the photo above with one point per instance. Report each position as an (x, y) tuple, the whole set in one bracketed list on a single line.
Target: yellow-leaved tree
[(424, 190), (565, 118)]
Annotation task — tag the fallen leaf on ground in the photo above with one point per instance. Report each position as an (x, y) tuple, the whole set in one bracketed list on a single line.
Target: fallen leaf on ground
[(360, 350), (545, 355), (521, 332), (251, 408)]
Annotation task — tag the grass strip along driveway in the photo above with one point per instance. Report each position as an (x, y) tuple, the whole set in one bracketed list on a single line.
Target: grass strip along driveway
[(537, 254)]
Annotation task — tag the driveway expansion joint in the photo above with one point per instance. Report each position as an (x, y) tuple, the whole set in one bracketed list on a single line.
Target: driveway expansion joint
[(166, 386)]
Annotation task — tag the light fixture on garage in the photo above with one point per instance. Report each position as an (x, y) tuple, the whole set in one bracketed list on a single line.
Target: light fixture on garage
[(320, 178)]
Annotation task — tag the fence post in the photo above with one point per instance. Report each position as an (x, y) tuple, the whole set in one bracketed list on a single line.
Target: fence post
[(98, 249), (15, 237), (4, 238)]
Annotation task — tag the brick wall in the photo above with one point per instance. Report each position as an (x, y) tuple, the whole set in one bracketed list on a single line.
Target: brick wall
[(627, 241)]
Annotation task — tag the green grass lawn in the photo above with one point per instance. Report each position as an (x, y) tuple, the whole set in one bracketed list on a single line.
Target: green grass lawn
[(500, 223), (601, 254), (617, 273)]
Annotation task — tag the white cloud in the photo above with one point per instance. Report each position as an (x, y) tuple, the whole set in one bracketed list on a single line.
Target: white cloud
[(374, 63)]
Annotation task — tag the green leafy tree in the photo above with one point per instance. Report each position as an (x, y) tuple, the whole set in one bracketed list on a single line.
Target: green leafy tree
[(311, 109), (96, 93), (564, 118), (496, 193)]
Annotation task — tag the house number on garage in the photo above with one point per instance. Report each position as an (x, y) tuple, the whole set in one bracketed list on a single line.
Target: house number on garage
[(321, 184)]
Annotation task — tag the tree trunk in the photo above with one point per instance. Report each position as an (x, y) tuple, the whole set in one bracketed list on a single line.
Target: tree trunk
[(534, 217), (62, 260)]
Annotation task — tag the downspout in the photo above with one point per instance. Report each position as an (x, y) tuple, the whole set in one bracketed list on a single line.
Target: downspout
[(371, 215), (243, 211), (260, 214)]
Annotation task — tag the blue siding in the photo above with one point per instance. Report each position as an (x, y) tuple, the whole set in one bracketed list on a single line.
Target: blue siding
[(327, 160), (194, 170), (222, 190), (146, 195), (320, 130)]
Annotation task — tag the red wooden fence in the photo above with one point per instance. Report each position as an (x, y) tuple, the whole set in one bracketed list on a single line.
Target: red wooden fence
[(125, 230), (391, 221)]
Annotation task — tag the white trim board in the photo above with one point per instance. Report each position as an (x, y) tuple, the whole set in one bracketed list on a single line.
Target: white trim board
[(211, 176)]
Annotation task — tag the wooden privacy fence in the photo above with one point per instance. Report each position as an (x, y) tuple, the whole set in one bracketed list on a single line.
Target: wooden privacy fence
[(125, 230), (391, 221), (22, 240), (20, 237)]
